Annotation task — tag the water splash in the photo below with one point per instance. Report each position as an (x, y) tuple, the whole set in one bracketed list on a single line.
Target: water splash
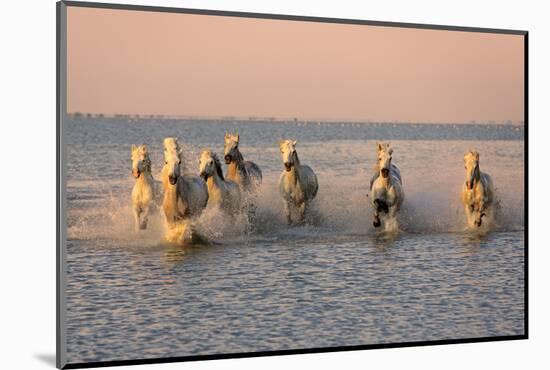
[(337, 210), (432, 178)]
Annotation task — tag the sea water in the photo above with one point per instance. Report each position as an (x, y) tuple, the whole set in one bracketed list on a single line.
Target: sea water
[(336, 281)]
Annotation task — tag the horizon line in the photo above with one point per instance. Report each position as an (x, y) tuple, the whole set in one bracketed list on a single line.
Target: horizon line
[(253, 118)]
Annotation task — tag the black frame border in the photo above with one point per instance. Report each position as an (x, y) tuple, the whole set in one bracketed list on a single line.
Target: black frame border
[(61, 89)]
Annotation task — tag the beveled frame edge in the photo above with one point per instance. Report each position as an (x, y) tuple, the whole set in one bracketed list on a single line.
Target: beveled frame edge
[(286, 17), (61, 73), (61, 222), (162, 360)]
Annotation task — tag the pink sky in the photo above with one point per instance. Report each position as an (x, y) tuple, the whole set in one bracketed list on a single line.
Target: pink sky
[(135, 62)]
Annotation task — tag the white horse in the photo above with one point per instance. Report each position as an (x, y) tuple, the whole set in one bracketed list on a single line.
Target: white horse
[(297, 184), (222, 193), (246, 174), (477, 191), (386, 186), (185, 195), (145, 191)]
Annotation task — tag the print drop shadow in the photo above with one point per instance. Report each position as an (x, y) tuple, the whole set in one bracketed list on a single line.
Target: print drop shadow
[(47, 358)]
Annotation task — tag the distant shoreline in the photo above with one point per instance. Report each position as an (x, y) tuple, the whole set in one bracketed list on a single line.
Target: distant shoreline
[(276, 119)]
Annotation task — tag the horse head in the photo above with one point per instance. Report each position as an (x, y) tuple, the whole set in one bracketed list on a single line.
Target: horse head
[(231, 147), (140, 160), (172, 159), (384, 158), (471, 164), (209, 164), (288, 153)]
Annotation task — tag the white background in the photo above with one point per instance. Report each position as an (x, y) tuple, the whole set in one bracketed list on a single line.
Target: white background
[(27, 182)]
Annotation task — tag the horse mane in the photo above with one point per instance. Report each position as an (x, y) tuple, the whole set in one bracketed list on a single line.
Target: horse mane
[(383, 147), (147, 162), (239, 160), (472, 153), (218, 165), (172, 144), (216, 160), (240, 157), (295, 154)]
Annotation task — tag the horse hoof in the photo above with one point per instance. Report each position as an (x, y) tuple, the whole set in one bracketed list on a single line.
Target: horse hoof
[(376, 223)]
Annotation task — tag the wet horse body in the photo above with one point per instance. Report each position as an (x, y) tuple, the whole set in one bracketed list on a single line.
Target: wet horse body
[(185, 195), (387, 193), (144, 192), (222, 193), (298, 183), (246, 174), (477, 191)]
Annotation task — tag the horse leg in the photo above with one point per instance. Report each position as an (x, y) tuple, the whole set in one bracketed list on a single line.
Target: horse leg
[(287, 212), (379, 206), (303, 209), (392, 211), (480, 213), (251, 211), (137, 210), (391, 223), (477, 219), (376, 222), (144, 218), (469, 210)]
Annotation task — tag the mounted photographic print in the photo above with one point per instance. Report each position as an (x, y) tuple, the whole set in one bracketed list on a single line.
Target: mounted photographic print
[(235, 184)]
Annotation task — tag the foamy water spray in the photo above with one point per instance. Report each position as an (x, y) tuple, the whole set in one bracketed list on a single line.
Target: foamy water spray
[(100, 209)]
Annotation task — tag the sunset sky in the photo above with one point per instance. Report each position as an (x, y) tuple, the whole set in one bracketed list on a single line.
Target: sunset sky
[(137, 62)]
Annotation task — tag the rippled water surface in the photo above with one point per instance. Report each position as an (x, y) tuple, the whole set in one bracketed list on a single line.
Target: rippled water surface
[(335, 282)]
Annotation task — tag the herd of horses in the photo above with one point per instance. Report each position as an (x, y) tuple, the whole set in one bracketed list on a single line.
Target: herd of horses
[(183, 196)]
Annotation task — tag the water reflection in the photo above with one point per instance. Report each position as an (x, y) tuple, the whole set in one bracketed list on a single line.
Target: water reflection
[(384, 240), (294, 293), (176, 253), (472, 240), (173, 255)]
